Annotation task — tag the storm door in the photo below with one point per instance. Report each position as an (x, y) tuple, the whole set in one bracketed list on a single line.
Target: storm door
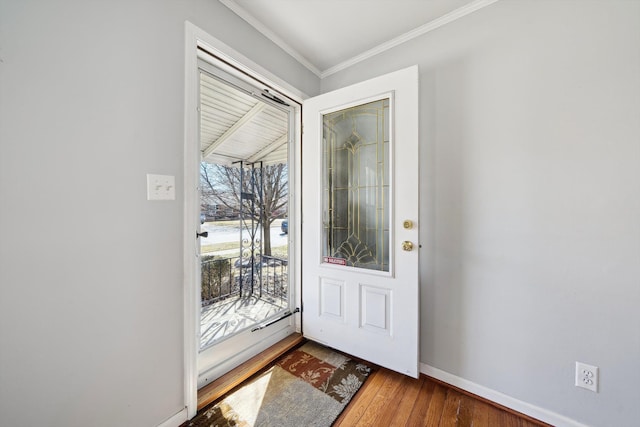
[(245, 297)]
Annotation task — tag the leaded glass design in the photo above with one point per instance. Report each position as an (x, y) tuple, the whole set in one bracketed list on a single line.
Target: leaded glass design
[(356, 186)]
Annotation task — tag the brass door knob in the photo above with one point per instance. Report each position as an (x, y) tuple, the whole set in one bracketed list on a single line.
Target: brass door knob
[(407, 246)]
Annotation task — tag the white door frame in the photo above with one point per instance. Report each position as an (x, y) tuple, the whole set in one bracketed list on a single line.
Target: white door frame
[(200, 44)]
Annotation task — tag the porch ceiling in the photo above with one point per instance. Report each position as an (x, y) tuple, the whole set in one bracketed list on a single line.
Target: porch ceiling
[(235, 126)]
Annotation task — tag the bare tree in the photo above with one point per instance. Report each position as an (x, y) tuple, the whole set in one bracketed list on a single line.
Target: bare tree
[(261, 192)]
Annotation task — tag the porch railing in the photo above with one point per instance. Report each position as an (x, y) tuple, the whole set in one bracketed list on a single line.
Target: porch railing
[(222, 278)]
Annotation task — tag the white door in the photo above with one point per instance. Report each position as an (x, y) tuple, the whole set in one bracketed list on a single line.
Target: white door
[(360, 220)]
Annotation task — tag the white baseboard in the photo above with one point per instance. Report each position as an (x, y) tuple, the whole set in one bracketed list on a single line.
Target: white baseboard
[(175, 420), (500, 398)]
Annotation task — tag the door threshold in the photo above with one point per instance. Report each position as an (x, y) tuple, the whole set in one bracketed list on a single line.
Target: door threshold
[(218, 388)]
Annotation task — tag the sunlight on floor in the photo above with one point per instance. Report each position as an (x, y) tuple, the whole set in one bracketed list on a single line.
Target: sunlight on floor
[(248, 400)]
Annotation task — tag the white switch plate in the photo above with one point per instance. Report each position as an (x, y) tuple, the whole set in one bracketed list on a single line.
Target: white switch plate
[(161, 187)]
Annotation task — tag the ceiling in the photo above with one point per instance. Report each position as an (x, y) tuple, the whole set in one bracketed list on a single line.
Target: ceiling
[(329, 35), (236, 126)]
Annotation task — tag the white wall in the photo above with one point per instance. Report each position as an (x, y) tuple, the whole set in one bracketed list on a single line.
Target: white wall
[(530, 139), (91, 100)]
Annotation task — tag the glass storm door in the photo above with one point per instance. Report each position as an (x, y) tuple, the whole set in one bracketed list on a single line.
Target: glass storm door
[(245, 298), (360, 235)]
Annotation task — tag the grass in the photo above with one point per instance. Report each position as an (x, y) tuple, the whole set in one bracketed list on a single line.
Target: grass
[(278, 251), (217, 247)]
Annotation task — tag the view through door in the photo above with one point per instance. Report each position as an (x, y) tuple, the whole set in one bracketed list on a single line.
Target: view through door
[(244, 203)]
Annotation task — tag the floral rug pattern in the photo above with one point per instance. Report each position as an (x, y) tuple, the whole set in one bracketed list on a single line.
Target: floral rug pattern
[(309, 386)]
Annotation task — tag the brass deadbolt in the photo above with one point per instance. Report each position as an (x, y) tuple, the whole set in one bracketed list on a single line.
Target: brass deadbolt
[(407, 246)]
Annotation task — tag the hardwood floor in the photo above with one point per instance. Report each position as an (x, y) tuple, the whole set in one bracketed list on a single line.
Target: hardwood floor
[(390, 399)]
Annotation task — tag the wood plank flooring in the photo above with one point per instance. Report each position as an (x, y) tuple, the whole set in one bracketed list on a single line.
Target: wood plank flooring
[(389, 399)]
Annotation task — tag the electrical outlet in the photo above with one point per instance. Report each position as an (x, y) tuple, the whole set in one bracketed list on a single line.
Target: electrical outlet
[(587, 376)]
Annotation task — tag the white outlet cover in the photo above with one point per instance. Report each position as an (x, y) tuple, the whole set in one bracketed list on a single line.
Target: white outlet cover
[(587, 376), (161, 187)]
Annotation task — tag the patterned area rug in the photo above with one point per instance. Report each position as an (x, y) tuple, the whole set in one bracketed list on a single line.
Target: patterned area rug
[(309, 386)]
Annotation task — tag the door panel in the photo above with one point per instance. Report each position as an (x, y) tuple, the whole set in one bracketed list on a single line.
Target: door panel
[(355, 188), (360, 187)]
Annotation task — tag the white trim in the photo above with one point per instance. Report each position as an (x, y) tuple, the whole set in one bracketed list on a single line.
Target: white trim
[(175, 420), (191, 314), (410, 35), (500, 398)]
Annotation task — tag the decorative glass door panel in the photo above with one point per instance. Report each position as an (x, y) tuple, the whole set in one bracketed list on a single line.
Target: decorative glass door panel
[(356, 175)]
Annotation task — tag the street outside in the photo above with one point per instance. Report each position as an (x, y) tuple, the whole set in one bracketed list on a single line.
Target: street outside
[(224, 236)]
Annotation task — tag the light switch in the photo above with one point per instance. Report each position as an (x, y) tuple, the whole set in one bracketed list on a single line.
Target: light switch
[(161, 187)]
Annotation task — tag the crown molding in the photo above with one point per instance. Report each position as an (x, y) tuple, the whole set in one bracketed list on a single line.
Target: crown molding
[(410, 35), (258, 25)]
